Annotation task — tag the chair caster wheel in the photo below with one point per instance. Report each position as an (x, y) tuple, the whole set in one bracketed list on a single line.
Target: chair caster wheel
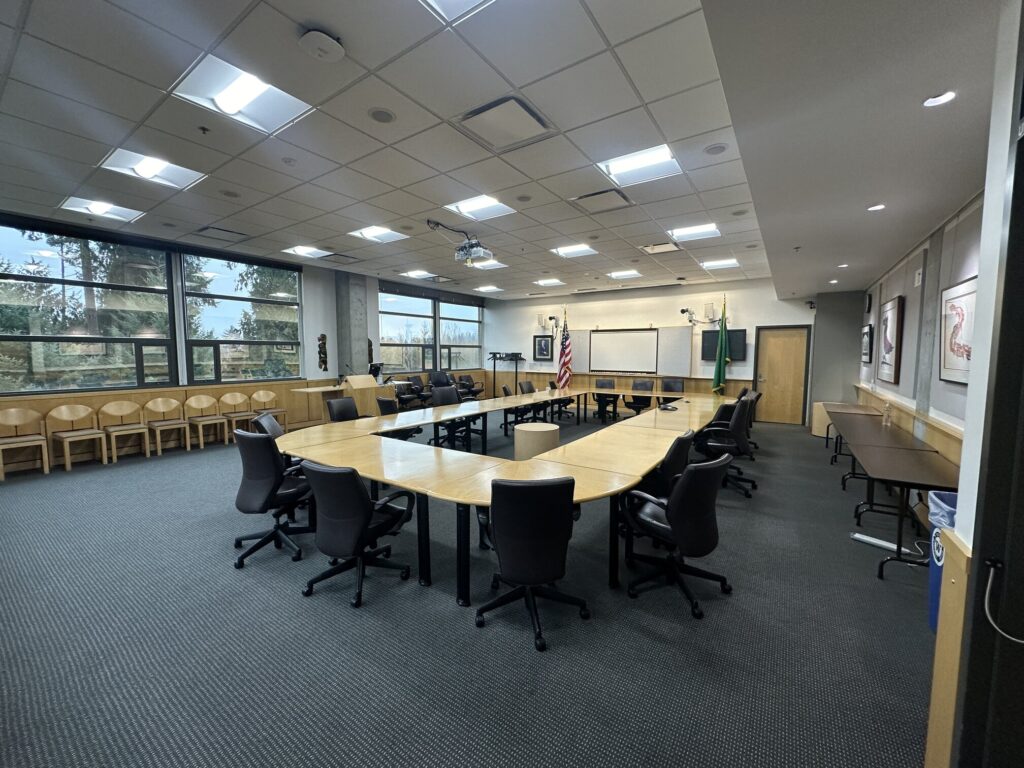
[(697, 612), (539, 644), (404, 574), (333, 561), (308, 590), (754, 486), (356, 601), (584, 614), (297, 556), (631, 592), (238, 543), (277, 544), (239, 563), (479, 621), (495, 583), (386, 553), (727, 589)]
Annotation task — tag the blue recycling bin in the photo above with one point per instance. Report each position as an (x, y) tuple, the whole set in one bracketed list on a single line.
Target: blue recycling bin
[(941, 514)]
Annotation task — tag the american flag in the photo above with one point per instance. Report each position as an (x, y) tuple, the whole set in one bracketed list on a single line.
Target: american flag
[(565, 355)]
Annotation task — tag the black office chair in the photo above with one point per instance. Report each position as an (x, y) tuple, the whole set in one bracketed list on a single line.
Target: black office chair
[(753, 396), (266, 424), (457, 431), (419, 389), (603, 401), (718, 439), (685, 522), (560, 404), (406, 396), (350, 523), (342, 409), (471, 387), (638, 403), (670, 385), (389, 407), (742, 393), (439, 379), (519, 413), (657, 483), (267, 487), (530, 526), (538, 411)]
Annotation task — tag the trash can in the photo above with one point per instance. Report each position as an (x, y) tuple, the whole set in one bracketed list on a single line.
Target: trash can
[(941, 514)]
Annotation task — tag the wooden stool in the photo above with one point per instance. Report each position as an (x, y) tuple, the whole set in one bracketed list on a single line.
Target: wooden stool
[(534, 438)]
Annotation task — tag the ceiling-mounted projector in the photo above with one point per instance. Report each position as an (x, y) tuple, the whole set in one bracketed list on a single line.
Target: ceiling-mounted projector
[(471, 251), (322, 46)]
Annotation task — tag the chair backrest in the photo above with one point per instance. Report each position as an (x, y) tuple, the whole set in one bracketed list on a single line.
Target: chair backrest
[(262, 471), (506, 391), (691, 507), (672, 385), (738, 424), (743, 393), (201, 405), (417, 382), (15, 422), (527, 388), (120, 412), (552, 384), (343, 508), (264, 398), (439, 379), (387, 406), (531, 523), (72, 416), (446, 395), (466, 379), (604, 383), (266, 424), (234, 402), (342, 409), (162, 408), (642, 385), (676, 460)]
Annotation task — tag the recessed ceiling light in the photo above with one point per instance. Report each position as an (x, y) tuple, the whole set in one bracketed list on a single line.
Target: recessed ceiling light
[(240, 93), (418, 274), (572, 251), (942, 98), (740, 212), (715, 149), (100, 208), (698, 232), (451, 9), (876, 207), (843, 266), (308, 251), (720, 264), (645, 165), (148, 167), (480, 208), (624, 274), (488, 289), (489, 264), (832, 282), (750, 246), (547, 282), (524, 198), (151, 169), (381, 115), (378, 234)]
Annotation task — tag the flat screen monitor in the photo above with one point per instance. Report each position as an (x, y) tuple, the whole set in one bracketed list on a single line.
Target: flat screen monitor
[(737, 345), (375, 369)]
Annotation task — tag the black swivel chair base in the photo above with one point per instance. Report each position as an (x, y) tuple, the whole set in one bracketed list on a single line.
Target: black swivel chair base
[(735, 478), (280, 535), (530, 595), (672, 569), (375, 557)]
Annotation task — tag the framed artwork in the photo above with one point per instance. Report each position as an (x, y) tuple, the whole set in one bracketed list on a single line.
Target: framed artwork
[(957, 330), (890, 340), (543, 347), (867, 343)]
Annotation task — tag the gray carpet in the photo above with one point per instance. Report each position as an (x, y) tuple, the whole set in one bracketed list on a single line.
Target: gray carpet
[(127, 639)]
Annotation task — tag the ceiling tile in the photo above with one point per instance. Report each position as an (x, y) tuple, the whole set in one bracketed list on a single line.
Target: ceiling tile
[(675, 206), (528, 39), (692, 112), (661, 189), (198, 21), (145, 194), (366, 214), (279, 206), (254, 222), (513, 221), (589, 91), (110, 36), (442, 190), (355, 104), (317, 197), (557, 211), (289, 159), (690, 153), (716, 176), (30, 195), (623, 216), (185, 119), (196, 218), (46, 108), (443, 148), (489, 175), (255, 176), (445, 75), (206, 197), (41, 138), (575, 226), (352, 184), (534, 233), (289, 68), (670, 59), (616, 136), (329, 138), (372, 31), (149, 141), (536, 194), (44, 182), (547, 157), (54, 69), (391, 166), (582, 181), (621, 21), (718, 198), (9, 12), (402, 203)]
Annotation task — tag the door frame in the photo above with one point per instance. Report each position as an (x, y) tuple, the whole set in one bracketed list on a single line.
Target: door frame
[(807, 360)]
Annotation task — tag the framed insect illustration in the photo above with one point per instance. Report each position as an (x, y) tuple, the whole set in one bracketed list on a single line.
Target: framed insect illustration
[(957, 332), (890, 340)]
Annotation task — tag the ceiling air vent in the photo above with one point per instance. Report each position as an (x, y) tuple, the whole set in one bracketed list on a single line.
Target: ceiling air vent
[(224, 235), (600, 202), (508, 123), (656, 248)]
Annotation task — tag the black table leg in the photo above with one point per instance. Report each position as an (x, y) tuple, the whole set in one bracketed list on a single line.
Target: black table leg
[(483, 436), (423, 537), (613, 541), (578, 410), (462, 554), (586, 404), (437, 433), (904, 507), (374, 490)]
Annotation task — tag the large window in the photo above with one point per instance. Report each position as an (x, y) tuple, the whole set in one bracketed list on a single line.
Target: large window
[(77, 313), (417, 330), (460, 336), (242, 320)]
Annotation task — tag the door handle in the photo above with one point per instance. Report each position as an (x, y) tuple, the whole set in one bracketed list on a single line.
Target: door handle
[(761, 379)]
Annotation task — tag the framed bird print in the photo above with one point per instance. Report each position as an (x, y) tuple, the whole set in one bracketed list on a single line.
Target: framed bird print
[(867, 343), (957, 330), (890, 340)]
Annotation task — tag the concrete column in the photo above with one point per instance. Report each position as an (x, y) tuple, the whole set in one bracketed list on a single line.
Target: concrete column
[(350, 291)]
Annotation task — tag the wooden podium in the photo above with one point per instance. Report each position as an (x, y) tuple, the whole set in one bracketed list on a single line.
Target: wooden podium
[(362, 388)]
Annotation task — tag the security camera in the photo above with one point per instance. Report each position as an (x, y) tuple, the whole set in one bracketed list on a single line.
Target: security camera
[(811, 304), (552, 318), (684, 311)]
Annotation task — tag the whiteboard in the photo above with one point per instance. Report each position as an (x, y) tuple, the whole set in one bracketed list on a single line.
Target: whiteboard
[(675, 345), (630, 351)]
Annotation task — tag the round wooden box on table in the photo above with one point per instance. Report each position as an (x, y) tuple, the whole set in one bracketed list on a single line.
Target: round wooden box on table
[(535, 438)]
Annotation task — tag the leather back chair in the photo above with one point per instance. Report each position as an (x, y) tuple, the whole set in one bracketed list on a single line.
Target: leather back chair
[(753, 396), (530, 527), (266, 486), (538, 411), (472, 388), (686, 523), (349, 523), (638, 403), (720, 439), (560, 403), (405, 395), (389, 407), (672, 384), (453, 432), (439, 379), (603, 401), (527, 388), (342, 409), (419, 388), (513, 416), (266, 424), (446, 395)]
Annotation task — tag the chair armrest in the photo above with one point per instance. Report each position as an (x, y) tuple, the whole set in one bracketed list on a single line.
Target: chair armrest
[(717, 430), (662, 503), (719, 424), (410, 499), (293, 469)]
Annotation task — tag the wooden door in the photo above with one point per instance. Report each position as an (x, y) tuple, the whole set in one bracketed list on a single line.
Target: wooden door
[(780, 373)]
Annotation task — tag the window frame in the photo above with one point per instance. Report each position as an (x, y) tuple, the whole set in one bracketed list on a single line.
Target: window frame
[(438, 349)]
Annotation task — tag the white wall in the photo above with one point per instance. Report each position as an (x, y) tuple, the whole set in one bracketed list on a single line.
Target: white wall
[(509, 326)]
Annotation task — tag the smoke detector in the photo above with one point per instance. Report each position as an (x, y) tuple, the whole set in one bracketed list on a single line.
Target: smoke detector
[(322, 47)]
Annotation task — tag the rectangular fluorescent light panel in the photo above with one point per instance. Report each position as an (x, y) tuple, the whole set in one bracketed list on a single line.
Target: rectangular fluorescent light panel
[(504, 124), (218, 86), (547, 282), (572, 251), (624, 274), (378, 234), (698, 232), (480, 208), (720, 264), (638, 167), (489, 264), (418, 274), (307, 251), (100, 208), (488, 289), (450, 9)]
